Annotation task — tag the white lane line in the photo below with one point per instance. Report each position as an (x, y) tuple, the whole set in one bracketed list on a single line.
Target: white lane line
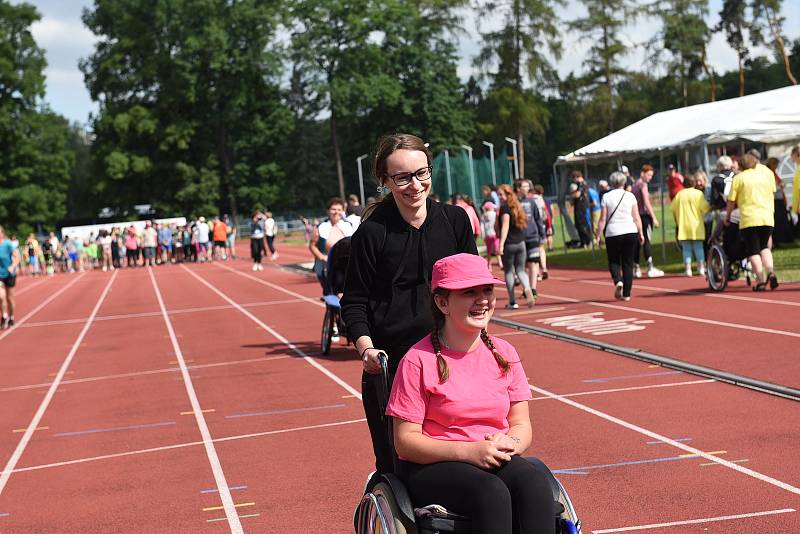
[(280, 338), (668, 441), (315, 302), (37, 417), (143, 373), (158, 313), (47, 301), (219, 476), (676, 316), (696, 292), (184, 445), (27, 287), (694, 521), (634, 388)]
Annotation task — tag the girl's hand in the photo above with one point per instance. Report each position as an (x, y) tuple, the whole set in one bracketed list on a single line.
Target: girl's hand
[(503, 442), (486, 455)]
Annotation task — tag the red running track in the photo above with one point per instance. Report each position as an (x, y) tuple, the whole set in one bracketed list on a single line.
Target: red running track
[(120, 442)]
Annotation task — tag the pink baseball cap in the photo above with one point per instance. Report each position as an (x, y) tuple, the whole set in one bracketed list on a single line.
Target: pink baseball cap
[(461, 271)]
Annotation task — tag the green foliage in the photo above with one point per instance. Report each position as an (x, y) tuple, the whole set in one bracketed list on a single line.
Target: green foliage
[(190, 104)]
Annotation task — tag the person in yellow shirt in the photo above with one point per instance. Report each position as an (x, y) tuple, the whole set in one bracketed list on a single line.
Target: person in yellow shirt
[(689, 206), (752, 192)]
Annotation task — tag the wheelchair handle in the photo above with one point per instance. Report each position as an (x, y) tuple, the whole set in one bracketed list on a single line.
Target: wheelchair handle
[(383, 361)]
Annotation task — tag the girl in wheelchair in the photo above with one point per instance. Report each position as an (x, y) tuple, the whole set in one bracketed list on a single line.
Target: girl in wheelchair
[(461, 421)]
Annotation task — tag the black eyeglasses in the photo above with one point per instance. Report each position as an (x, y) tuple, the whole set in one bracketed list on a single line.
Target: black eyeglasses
[(404, 178)]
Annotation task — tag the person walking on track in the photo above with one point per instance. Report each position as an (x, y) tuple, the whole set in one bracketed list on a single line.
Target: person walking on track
[(257, 240), (9, 267), (513, 222), (647, 214), (460, 411), (622, 227), (386, 295)]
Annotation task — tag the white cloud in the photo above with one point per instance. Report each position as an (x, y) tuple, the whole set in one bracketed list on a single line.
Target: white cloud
[(52, 32)]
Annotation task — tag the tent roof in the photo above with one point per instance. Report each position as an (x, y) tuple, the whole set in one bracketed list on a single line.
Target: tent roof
[(768, 117)]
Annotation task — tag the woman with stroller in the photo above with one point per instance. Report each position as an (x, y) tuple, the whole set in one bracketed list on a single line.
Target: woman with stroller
[(386, 294), (461, 419)]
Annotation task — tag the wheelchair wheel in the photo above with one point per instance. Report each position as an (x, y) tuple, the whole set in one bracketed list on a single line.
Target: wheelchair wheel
[(718, 267), (327, 330), (378, 513)]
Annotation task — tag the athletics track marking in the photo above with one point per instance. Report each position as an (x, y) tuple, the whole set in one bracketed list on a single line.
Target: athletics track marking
[(216, 467), (39, 307), (694, 521), (37, 417), (649, 433)]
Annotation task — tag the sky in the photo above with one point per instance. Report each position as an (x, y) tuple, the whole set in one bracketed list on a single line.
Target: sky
[(66, 40)]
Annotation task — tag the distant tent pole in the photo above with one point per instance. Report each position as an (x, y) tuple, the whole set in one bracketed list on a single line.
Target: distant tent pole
[(663, 217), (705, 157), (447, 172)]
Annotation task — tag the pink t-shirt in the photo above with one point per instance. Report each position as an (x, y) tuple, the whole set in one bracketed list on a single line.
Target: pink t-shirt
[(473, 402)]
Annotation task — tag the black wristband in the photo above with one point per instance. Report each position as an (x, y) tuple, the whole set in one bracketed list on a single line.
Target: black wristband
[(363, 351)]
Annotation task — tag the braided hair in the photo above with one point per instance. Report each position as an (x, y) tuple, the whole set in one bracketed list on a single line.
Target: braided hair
[(438, 324)]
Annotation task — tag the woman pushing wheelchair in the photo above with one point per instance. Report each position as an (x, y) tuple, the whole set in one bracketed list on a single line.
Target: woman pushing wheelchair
[(461, 421)]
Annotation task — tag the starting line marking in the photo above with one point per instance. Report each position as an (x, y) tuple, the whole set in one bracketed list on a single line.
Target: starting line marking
[(183, 445), (240, 517), (732, 461), (35, 429), (240, 505), (649, 433), (694, 521), (114, 429), (210, 410), (594, 323)]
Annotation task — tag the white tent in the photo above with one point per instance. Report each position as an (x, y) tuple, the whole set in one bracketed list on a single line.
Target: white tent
[(769, 117)]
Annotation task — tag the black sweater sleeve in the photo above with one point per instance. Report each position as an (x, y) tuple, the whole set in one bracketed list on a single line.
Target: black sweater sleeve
[(361, 270)]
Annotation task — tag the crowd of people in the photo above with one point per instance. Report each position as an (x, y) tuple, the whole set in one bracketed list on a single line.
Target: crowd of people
[(744, 204), (121, 246)]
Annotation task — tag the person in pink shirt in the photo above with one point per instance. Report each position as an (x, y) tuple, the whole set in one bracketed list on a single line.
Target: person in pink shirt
[(459, 200), (461, 420)]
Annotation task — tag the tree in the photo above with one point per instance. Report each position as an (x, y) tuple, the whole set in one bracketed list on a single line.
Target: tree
[(189, 103), (517, 51), (733, 21), (768, 11), (685, 35), (35, 162), (602, 26), (330, 41)]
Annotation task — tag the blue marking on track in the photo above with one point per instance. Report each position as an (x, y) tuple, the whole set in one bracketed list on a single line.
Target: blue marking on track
[(645, 375), (4, 514), (116, 429), (288, 410), (216, 490), (663, 442), (582, 470)]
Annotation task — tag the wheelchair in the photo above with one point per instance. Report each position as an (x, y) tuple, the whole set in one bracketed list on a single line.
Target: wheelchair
[(333, 284), (726, 259), (387, 508)]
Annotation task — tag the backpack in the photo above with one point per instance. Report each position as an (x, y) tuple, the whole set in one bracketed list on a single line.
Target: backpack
[(717, 200)]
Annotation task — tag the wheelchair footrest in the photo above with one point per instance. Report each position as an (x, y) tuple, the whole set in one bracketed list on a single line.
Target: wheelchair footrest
[(436, 517)]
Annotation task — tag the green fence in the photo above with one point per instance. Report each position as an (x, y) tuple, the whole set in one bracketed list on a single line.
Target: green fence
[(460, 178)]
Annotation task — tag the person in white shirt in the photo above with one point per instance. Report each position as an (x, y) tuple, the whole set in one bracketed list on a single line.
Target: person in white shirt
[(621, 225), (269, 231), (203, 230), (327, 234)]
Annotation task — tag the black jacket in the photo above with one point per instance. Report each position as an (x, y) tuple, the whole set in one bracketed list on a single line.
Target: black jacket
[(387, 290)]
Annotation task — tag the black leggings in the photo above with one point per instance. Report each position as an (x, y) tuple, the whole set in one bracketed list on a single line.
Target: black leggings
[(271, 243), (620, 249), (370, 394), (257, 249), (647, 230), (515, 497)]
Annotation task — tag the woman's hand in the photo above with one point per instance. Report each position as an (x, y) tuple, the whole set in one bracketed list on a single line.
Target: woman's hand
[(503, 442), (486, 455), (370, 361), (641, 239)]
